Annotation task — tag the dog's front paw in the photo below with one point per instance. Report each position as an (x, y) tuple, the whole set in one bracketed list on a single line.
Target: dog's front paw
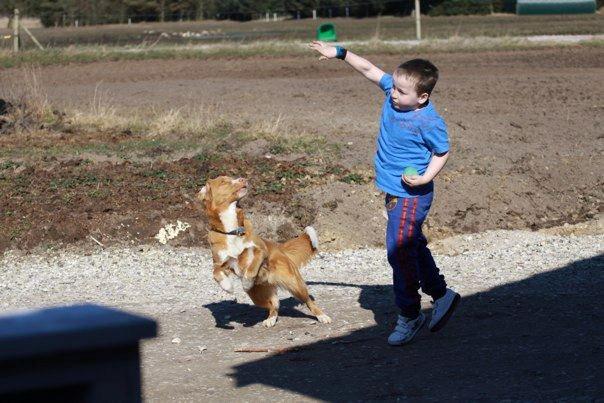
[(270, 321), (324, 318), (227, 285), (247, 283)]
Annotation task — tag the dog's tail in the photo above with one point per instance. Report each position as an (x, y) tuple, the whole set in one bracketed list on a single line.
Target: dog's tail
[(302, 248)]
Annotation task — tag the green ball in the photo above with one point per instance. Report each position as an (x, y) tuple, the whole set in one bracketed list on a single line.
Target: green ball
[(410, 171)]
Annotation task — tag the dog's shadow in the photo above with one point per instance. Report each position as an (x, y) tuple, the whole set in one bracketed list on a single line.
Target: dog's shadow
[(248, 315)]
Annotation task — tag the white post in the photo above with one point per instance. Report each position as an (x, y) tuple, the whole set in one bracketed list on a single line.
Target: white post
[(330, 13), (297, 15), (314, 14), (76, 23), (274, 16), (418, 26), (268, 18), (347, 12), (16, 31), (129, 21)]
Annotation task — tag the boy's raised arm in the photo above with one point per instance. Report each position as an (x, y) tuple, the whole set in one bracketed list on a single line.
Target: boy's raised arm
[(363, 66)]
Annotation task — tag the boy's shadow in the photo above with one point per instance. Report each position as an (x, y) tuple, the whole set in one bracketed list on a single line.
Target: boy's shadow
[(538, 338), (248, 315)]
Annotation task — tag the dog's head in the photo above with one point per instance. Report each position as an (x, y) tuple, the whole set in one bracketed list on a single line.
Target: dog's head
[(219, 193)]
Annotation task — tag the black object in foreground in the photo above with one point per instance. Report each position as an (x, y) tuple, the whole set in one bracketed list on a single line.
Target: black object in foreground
[(80, 353)]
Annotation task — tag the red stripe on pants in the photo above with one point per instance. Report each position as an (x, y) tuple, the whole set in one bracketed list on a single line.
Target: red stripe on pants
[(412, 221), (402, 223)]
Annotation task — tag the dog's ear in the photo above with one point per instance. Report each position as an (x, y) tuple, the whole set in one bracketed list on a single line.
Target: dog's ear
[(202, 193), (205, 194)]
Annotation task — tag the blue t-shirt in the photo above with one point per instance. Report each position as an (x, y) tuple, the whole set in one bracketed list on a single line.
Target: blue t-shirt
[(406, 139)]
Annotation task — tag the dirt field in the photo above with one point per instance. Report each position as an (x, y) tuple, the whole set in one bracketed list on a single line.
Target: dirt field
[(526, 131)]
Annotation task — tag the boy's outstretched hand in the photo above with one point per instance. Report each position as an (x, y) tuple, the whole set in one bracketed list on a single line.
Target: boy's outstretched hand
[(326, 51)]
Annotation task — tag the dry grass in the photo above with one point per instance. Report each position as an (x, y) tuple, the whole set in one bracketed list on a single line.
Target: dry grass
[(182, 123), (28, 108), (136, 132)]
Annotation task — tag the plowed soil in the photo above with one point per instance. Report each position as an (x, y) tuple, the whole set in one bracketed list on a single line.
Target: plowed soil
[(525, 127)]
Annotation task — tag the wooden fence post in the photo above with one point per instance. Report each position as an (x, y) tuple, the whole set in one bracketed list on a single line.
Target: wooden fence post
[(16, 31), (418, 27)]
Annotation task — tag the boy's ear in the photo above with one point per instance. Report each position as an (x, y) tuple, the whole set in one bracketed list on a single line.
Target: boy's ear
[(423, 98)]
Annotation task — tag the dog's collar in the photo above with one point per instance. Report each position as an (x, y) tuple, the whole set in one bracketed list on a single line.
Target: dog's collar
[(239, 231)]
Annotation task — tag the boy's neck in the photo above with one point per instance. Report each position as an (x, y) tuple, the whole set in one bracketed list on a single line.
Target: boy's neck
[(417, 107)]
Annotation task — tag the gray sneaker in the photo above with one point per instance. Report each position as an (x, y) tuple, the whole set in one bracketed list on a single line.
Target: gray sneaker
[(443, 309), (406, 329)]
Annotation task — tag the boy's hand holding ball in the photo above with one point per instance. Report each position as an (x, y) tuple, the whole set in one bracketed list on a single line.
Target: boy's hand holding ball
[(412, 178)]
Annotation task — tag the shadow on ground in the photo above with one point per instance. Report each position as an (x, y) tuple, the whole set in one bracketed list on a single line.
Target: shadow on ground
[(226, 312), (536, 339)]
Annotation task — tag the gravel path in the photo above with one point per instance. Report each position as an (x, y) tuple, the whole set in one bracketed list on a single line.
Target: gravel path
[(200, 326)]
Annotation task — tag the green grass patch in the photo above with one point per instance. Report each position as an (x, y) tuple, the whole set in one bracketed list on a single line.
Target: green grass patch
[(480, 41), (9, 165), (206, 157), (87, 179), (158, 173), (124, 149), (353, 178), (270, 187), (98, 193)]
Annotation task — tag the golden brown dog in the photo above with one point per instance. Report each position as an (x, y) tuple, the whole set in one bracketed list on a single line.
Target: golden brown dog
[(262, 265)]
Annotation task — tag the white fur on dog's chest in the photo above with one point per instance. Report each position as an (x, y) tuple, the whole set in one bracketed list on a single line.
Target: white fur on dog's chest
[(235, 245), (232, 252)]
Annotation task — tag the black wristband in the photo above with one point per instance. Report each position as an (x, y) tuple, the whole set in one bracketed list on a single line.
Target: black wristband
[(341, 52)]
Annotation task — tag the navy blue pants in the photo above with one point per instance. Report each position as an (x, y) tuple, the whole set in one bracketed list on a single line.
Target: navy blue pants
[(408, 253)]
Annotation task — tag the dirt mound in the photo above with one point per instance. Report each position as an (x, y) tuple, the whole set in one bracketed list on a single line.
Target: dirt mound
[(67, 201)]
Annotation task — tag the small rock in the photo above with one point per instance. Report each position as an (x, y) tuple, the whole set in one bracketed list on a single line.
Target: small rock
[(176, 340)]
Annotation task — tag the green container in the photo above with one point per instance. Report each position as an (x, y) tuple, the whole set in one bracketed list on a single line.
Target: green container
[(534, 7), (327, 32)]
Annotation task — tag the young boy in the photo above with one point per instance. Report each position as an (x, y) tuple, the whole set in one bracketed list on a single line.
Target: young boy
[(412, 148)]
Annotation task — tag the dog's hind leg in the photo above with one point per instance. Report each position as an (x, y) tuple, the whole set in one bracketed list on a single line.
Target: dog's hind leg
[(265, 296), (301, 292), (289, 277)]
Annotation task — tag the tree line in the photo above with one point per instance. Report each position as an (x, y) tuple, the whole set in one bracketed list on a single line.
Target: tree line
[(88, 12)]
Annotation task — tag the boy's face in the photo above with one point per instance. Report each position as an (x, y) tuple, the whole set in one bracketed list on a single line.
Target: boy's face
[(404, 96)]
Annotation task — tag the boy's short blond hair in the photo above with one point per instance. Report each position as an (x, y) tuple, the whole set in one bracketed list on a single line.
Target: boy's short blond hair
[(420, 71)]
